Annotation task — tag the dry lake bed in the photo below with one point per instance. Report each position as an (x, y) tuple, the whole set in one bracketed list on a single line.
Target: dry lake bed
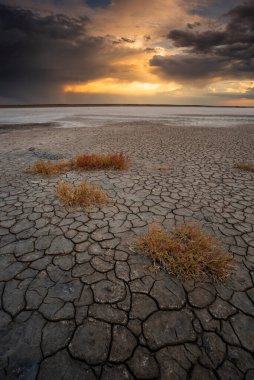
[(77, 302)]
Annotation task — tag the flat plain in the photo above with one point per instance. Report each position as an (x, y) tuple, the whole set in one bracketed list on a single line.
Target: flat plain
[(77, 301)]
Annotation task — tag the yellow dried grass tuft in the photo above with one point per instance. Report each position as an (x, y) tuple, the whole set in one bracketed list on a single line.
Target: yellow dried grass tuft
[(187, 252), (111, 161), (246, 166), (83, 194), (50, 167), (114, 161)]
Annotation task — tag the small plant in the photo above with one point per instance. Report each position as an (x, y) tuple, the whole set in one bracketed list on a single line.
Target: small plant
[(83, 194), (49, 167), (187, 252), (246, 166), (116, 161)]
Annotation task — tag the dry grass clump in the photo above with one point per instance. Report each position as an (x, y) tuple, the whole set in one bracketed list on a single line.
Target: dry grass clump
[(187, 252), (247, 166), (83, 194), (115, 161), (49, 167)]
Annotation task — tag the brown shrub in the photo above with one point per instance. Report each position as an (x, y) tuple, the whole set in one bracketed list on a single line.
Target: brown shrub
[(187, 252), (49, 167), (246, 166), (83, 194), (116, 161)]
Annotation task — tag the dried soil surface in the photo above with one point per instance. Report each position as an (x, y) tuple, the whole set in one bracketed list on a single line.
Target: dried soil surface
[(78, 303)]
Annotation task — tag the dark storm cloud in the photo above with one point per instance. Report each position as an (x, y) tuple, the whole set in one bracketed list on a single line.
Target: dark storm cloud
[(123, 40), (40, 53), (98, 3), (214, 8), (199, 42), (249, 94), (227, 52), (239, 30), (128, 40), (193, 25), (189, 67)]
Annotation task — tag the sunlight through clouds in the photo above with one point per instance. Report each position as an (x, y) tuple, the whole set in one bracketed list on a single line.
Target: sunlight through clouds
[(115, 86), (173, 51)]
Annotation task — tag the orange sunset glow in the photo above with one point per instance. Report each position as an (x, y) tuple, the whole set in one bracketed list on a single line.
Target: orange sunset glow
[(136, 51)]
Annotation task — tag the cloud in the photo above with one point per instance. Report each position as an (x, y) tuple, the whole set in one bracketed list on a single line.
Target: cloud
[(207, 54), (98, 3), (40, 53), (213, 8), (198, 42), (191, 67), (43, 51), (140, 18), (46, 47), (123, 40), (239, 30), (249, 94)]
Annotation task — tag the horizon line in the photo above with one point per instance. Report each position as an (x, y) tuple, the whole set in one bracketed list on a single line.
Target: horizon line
[(51, 105)]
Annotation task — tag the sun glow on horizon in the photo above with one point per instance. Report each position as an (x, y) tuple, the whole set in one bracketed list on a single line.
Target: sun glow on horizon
[(230, 87), (120, 87)]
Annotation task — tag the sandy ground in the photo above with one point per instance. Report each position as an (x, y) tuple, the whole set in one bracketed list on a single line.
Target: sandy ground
[(78, 303)]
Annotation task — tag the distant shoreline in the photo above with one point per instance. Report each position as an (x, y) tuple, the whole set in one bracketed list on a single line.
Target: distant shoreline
[(111, 105)]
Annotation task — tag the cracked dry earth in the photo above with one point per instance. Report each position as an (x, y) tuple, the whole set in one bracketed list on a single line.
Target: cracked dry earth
[(78, 303)]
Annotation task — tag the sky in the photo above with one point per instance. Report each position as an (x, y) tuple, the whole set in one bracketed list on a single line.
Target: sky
[(127, 51)]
